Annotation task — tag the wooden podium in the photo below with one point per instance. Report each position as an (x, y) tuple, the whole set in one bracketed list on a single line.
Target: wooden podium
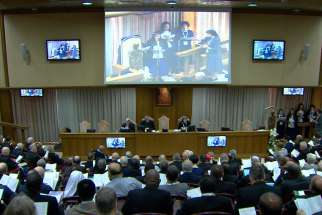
[(16, 127)]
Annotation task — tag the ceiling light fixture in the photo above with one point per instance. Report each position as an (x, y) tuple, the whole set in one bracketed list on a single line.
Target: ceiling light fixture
[(87, 3), (171, 2), (252, 4)]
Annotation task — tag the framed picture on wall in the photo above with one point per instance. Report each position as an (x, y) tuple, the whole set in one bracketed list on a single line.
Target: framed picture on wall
[(164, 96)]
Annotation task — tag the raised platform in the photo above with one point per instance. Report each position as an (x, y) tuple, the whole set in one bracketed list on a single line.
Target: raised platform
[(245, 142)]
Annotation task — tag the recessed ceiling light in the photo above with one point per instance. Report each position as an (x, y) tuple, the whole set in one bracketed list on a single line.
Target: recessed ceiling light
[(171, 2), (87, 3), (252, 4)]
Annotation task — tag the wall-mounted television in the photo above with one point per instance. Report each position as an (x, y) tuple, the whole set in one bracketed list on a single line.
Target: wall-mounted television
[(268, 50), (63, 50), (216, 141), (31, 92), (115, 142), (293, 91)]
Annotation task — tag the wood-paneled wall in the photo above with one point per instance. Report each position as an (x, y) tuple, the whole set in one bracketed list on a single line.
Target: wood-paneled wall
[(146, 104)]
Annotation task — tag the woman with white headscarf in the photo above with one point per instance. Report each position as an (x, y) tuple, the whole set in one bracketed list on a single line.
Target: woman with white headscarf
[(71, 186)]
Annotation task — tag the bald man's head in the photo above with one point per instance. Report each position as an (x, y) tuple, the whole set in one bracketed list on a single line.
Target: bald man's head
[(114, 171), (5, 151), (101, 148), (3, 168), (316, 184), (40, 171), (152, 179), (270, 203), (115, 156), (293, 170)]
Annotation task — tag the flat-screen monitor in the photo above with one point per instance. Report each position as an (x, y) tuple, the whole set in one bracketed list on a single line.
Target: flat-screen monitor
[(268, 50), (167, 47), (216, 141), (115, 142), (31, 92), (63, 50), (293, 91)]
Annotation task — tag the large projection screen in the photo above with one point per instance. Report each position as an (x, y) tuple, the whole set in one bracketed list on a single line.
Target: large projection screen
[(167, 47)]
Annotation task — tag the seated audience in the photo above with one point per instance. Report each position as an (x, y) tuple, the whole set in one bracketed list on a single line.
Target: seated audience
[(217, 172), (71, 186), (133, 169), (99, 153), (77, 164), (7, 194), (249, 196), (149, 199), (195, 169), (270, 204), (41, 163), (188, 176), (33, 184), (163, 165), (120, 185), (21, 205), (208, 202), (100, 167), (18, 151), (310, 162), (44, 188), (89, 164), (316, 185), (31, 156), (115, 157), (176, 160), (85, 190), (173, 186), (105, 201), (5, 158), (203, 163)]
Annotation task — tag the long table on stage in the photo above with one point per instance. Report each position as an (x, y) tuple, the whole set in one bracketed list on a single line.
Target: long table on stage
[(245, 142)]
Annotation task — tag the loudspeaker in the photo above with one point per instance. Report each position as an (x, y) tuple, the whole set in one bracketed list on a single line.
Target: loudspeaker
[(25, 53)]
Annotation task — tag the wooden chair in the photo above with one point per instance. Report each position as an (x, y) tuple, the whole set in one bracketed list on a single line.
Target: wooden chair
[(70, 201), (204, 124), (84, 126), (103, 126), (164, 123)]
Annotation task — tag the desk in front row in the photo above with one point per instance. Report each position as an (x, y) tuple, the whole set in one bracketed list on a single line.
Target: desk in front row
[(245, 142)]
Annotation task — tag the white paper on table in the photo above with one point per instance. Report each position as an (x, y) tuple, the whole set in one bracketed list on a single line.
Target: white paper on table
[(19, 158), (276, 173), (57, 194), (308, 172), (302, 163), (163, 179), (247, 163), (311, 143), (41, 208), (193, 193), (13, 175), (295, 153), (271, 165), (310, 205), (51, 167), (22, 164), (247, 211), (85, 175), (291, 141), (10, 182), (319, 173), (317, 154)]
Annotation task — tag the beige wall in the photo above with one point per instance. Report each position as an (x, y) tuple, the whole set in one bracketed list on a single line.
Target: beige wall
[(2, 77), (34, 29), (295, 30)]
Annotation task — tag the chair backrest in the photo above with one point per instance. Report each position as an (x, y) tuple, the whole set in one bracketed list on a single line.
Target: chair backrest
[(70, 201), (103, 126), (120, 202), (204, 124), (84, 125), (246, 125), (127, 47), (177, 202), (164, 122)]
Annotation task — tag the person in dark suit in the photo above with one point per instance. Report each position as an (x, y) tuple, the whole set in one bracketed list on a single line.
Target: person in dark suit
[(217, 172), (176, 161), (249, 196), (204, 163), (188, 176), (208, 202), (31, 157), (293, 180), (33, 184), (128, 125), (183, 122), (149, 199), (17, 151), (195, 168), (99, 153), (147, 123), (5, 158), (132, 169)]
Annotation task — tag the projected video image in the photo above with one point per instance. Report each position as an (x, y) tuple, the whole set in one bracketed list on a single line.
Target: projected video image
[(214, 141), (293, 91), (31, 92), (115, 142), (63, 50), (167, 47), (268, 50)]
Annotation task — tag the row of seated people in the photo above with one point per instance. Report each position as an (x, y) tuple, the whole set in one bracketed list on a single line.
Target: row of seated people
[(202, 180)]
